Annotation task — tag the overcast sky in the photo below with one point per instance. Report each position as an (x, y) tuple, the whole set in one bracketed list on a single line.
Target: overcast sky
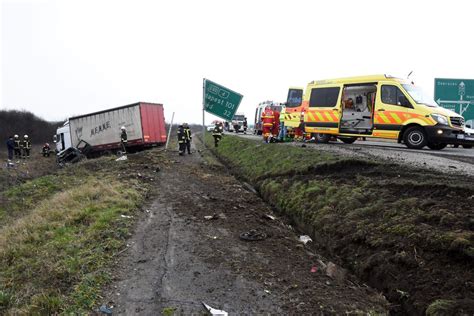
[(63, 58)]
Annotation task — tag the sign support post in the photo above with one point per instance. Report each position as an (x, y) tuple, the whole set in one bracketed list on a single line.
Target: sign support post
[(203, 111), (169, 132)]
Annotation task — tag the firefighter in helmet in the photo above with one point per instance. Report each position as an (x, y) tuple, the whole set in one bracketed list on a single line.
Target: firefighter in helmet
[(181, 140), (46, 150), (188, 137), (217, 133), (267, 123), (17, 147), (123, 139), (26, 146)]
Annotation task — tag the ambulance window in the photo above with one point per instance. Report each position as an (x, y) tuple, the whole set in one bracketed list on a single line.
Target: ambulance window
[(324, 97), (393, 95), (295, 97)]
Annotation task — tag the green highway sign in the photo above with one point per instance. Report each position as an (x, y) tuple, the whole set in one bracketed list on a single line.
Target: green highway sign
[(456, 95), (220, 101)]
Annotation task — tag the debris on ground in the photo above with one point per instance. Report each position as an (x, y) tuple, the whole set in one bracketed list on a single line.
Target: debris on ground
[(124, 157), (105, 310), (267, 216), (249, 187), (305, 239), (335, 272), (253, 235), (215, 312), (209, 217)]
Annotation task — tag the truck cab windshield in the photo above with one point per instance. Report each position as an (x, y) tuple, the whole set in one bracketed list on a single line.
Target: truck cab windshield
[(238, 117), (419, 96)]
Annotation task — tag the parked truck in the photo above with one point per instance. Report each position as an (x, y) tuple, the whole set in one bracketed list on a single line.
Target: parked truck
[(95, 133), (237, 123)]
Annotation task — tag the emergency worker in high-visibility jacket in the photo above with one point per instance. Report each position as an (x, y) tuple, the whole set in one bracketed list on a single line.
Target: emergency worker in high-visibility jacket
[(26, 146), (181, 140), (217, 133), (188, 137), (123, 139), (17, 147), (276, 124), (268, 119)]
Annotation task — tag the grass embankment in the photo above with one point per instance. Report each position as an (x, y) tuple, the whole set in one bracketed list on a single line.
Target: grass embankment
[(59, 233), (405, 231)]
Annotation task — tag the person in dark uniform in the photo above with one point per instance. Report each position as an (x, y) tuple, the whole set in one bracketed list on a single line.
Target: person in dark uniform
[(46, 150), (217, 133), (17, 147), (26, 146), (188, 137), (123, 139), (181, 140), (245, 124), (10, 147)]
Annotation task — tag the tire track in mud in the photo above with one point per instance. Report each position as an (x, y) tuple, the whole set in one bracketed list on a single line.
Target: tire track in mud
[(168, 266)]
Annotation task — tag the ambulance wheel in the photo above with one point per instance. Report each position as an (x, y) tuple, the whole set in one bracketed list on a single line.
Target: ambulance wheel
[(348, 140), (322, 138), (467, 146), (436, 146), (415, 137)]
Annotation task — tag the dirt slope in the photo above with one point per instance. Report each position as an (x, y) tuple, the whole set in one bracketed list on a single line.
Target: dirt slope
[(177, 259)]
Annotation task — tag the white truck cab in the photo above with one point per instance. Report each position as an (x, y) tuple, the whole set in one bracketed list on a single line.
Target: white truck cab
[(62, 139)]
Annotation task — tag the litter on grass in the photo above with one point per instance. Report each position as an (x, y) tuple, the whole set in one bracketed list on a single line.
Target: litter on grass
[(305, 239)]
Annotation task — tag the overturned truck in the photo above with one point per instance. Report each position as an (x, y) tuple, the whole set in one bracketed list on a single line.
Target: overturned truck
[(98, 133)]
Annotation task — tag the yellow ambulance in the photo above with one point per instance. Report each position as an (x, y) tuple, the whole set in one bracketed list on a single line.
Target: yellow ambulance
[(380, 106)]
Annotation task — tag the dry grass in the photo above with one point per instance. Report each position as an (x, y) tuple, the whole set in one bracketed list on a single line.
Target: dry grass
[(54, 257)]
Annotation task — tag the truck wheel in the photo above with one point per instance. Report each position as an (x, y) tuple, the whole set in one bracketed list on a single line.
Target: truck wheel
[(415, 137), (436, 146), (348, 140), (467, 146), (322, 138)]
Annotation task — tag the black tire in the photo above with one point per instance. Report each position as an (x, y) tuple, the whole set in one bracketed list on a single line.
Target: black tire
[(348, 140), (467, 146), (322, 138), (415, 137), (455, 146), (435, 146)]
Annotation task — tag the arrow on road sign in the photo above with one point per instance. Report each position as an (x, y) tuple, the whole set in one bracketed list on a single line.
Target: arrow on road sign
[(461, 103)]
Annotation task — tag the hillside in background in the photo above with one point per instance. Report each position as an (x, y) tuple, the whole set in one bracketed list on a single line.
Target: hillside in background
[(22, 122)]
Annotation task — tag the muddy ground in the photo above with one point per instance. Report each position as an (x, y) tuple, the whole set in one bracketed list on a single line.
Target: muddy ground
[(178, 259), (406, 231), (25, 169)]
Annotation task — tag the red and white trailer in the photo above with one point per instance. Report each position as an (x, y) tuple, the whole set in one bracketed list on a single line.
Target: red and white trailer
[(143, 121)]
